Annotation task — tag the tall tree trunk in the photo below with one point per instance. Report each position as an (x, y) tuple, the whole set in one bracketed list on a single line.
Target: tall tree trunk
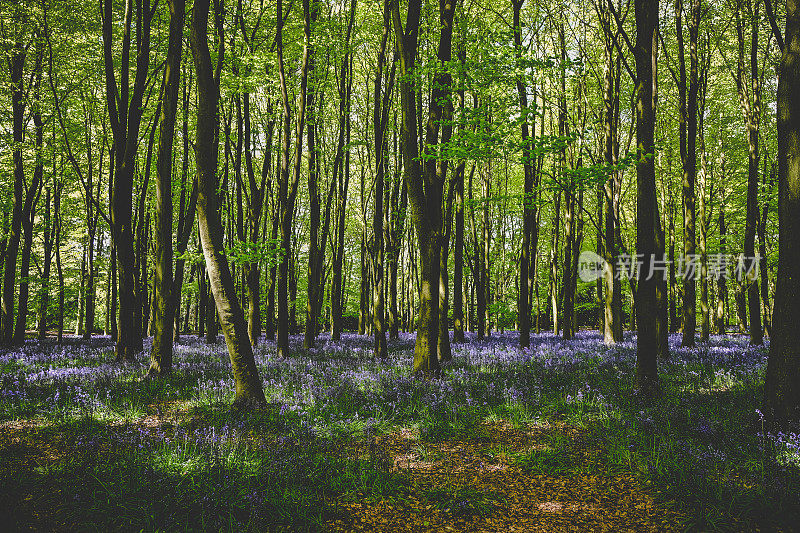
[(341, 173), (186, 213), (612, 301), (314, 247), (705, 310), (647, 218), (164, 301), (750, 102), (248, 383), (379, 120), (689, 161), (782, 382), (530, 232), (31, 198), (288, 189), (722, 283), (16, 66), (125, 114), (424, 184)]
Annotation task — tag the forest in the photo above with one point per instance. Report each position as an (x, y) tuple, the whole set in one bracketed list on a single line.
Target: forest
[(400, 265)]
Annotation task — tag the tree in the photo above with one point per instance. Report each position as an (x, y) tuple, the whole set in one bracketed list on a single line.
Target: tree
[(16, 66), (650, 323), (164, 316), (749, 91), (125, 109), (530, 233), (231, 315), (782, 386), (380, 118), (425, 185)]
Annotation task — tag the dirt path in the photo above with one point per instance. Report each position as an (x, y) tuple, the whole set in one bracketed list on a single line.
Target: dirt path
[(480, 487)]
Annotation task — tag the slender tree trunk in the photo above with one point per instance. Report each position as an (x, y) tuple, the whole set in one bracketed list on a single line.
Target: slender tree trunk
[(164, 300), (248, 383), (379, 120), (59, 267), (341, 173), (762, 254), (44, 292), (530, 233), (612, 301), (314, 249), (31, 198), (689, 160), (16, 67), (752, 114)]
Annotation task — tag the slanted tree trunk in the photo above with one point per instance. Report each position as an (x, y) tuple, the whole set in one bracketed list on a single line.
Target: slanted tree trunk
[(246, 378), (164, 301)]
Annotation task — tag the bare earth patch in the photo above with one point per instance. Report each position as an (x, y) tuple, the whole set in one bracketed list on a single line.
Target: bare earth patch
[(508, 498)]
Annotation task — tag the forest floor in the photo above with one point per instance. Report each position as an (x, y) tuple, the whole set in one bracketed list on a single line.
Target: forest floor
[(456, 485), (548, 439)]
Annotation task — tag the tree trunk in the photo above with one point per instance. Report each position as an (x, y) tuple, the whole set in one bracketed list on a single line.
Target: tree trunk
[(17, 67), (782, 382), (530, 233), (125, 114), (689, 162), (44, 292), (424, 185), (752, 114), (248, 383), (647, 308), (164, 301), (612, 294), (31, 198)]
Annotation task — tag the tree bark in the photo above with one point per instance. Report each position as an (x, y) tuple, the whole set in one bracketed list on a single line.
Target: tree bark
[(164, 308), (647, 308), (248, 383), (424, 185), (16, 66), (782, 382), (125, 114)]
